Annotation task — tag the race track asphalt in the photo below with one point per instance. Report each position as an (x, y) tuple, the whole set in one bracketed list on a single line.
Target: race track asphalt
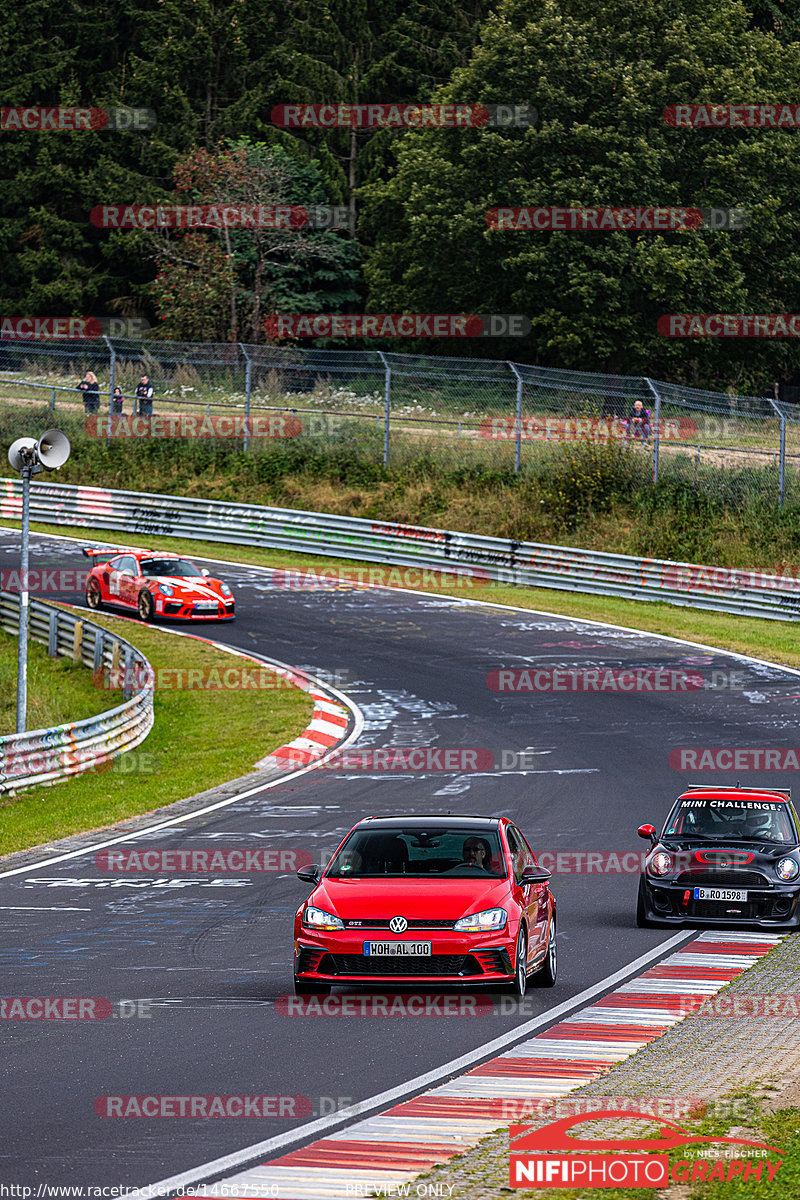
[(213, 954)]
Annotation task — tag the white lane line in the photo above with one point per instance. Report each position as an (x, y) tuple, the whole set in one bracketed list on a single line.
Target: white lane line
[(38, 908), (241, 1158), (358, 727)]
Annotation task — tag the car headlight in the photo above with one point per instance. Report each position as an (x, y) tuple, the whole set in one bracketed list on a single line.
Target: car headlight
[(787, 868), (226, 591), (317, 918), (490, 918), (660, 864), (166, 589)]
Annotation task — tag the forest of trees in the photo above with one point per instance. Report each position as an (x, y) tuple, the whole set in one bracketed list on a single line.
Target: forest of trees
[(599, 73)]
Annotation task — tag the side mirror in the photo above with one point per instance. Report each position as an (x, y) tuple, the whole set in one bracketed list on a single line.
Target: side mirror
[(648, 832), (309, 874), (204, 571), (535, 875)]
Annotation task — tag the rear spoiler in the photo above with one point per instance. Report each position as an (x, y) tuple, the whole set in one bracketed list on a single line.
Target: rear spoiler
[(711, 787), (107, 551)]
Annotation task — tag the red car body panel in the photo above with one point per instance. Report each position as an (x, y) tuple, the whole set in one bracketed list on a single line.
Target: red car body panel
[(490, 955)]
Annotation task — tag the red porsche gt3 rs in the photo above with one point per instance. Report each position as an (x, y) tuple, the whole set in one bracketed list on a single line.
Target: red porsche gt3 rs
[(156, 584), (421, 900)]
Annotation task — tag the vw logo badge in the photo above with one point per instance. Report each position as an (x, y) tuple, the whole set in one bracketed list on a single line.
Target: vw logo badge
[(398, 924)]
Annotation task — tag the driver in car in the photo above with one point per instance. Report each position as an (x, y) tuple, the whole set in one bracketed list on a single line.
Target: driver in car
[(476, 853)]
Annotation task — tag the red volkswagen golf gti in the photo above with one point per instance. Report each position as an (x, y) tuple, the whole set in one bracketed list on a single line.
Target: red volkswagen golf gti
[(411, 900)]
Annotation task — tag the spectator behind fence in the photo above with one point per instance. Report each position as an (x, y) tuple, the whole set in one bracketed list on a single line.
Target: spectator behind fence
[(144, 394), (116, 400), (639, 421), (91, 392)]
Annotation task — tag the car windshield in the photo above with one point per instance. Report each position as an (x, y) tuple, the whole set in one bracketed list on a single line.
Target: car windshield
[(447, 852), (726, 819), (169, 566)]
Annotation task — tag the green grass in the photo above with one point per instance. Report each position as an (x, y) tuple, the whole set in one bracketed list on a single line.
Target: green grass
[(59, 690), (200, 738)]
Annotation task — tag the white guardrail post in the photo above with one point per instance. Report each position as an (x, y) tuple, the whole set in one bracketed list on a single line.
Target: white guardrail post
[(526, 564), (49, 755)]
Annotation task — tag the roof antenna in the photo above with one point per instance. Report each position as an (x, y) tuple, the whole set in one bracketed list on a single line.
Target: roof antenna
[(738, 784)]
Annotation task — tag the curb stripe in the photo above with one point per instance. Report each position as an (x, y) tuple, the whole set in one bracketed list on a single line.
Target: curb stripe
[(454, 1116)]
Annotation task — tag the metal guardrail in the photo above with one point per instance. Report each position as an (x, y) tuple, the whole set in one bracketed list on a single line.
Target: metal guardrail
[(525, 564), (50, 755)]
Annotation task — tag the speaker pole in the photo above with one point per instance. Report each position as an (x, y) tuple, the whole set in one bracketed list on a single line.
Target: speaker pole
[(22, 649)]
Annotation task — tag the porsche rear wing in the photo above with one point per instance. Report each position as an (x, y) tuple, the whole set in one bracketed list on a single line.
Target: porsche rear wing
[(107, 551), (712, 787)]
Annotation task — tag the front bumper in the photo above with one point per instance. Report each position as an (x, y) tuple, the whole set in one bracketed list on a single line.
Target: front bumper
[(454, 959), (180, 610), (766, 907)]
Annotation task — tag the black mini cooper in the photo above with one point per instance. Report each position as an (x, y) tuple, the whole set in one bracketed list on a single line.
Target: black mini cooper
[(726, 855)]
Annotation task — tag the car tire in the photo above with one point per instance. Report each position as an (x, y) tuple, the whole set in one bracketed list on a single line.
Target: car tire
[(642, 919), (303, 987), (546, 975), (520, 984), (94, 596), (145, 605)]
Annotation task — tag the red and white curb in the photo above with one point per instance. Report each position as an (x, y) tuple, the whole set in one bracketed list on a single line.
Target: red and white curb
[(329, 722), (396, 1146)]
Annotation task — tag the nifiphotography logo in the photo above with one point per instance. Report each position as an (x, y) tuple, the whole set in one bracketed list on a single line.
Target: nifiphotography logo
[(548, 1157)]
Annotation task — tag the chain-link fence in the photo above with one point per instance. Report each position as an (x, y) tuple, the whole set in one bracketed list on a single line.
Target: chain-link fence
[(395, 408)]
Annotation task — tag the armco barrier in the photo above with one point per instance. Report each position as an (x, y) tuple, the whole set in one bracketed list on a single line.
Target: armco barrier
[(49, 755), (526, 564)]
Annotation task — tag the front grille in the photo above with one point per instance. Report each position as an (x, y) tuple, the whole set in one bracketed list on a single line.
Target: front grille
[(723, 879), (421, 923), (718, 910), (434, 964)]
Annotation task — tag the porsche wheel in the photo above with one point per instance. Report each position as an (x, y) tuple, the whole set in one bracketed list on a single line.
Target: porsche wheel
[(546, 975), (145, 606), (94, 597)]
